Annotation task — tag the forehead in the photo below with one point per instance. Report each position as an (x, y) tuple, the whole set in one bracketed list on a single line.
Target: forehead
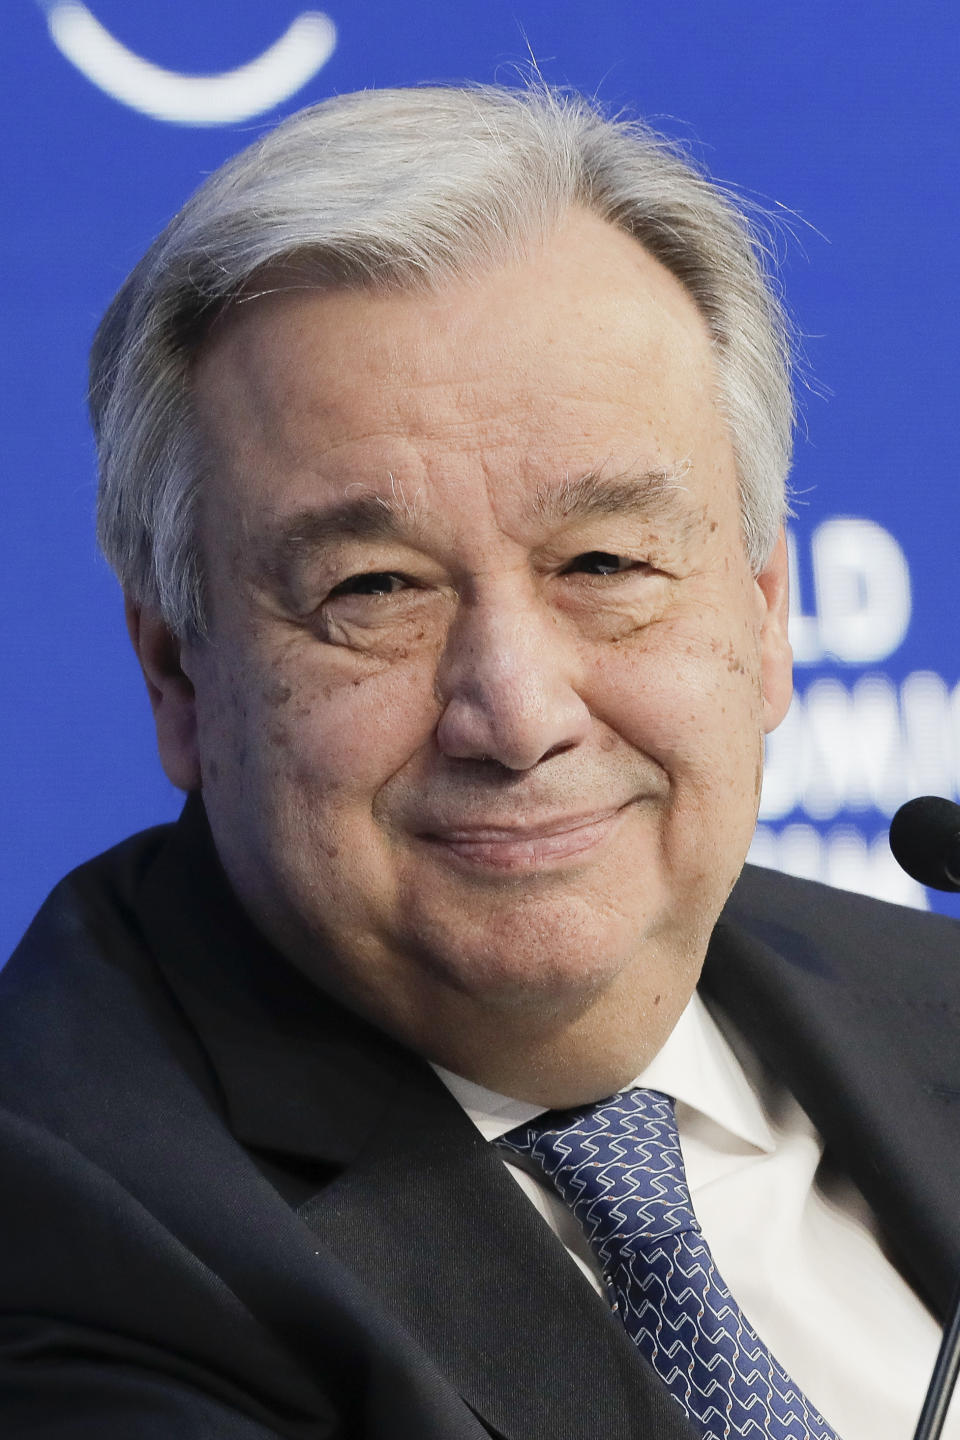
[(586, 354)]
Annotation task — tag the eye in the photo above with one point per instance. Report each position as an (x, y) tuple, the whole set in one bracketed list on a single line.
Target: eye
[(375, 582), (599, 562)]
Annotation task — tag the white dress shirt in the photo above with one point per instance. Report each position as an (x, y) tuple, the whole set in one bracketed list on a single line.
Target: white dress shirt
[(796, 1244)]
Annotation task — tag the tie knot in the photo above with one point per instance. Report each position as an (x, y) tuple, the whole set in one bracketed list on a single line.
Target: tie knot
[(617, 1165)]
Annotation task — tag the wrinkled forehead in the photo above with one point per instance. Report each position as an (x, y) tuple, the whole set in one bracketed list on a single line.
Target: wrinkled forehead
[(583, 359)]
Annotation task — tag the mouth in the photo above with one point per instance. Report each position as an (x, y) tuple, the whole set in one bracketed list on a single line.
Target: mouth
[(524, 847)]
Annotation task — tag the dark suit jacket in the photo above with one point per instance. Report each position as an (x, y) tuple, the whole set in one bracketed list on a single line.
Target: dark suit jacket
[(230, 1210)]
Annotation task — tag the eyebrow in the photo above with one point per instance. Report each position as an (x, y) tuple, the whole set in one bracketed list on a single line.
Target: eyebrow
[(367, 516), (649, 494)]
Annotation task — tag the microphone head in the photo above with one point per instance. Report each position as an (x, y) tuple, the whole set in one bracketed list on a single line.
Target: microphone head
[(925, 840)]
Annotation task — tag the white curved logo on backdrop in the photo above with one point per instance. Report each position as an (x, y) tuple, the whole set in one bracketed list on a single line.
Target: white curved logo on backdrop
[(221, 99)]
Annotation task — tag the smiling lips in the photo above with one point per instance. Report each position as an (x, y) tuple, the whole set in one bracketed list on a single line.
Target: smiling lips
[(525, 847)]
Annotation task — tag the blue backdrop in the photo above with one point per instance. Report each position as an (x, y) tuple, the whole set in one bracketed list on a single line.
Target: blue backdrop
[(846, 115)]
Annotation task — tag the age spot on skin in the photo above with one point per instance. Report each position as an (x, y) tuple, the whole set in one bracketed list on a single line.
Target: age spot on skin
[(278, 694)]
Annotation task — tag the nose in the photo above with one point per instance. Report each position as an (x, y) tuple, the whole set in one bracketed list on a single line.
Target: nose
[(506, 682)]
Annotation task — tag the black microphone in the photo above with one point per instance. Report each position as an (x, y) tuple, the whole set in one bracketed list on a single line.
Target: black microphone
[(925, 840)]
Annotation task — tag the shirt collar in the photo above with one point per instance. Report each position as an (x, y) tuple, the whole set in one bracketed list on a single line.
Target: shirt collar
[(696, 1065)]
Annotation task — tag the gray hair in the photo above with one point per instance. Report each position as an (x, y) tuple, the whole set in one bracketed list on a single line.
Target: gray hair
[(411, 188)]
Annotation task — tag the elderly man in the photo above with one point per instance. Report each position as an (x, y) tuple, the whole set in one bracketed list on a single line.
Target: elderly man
[(443, 441)]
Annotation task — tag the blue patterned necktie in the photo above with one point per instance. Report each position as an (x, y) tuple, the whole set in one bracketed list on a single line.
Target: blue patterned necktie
[(618, 1166)]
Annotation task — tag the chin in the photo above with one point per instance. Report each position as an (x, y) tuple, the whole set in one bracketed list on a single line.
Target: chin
[(556, 966)]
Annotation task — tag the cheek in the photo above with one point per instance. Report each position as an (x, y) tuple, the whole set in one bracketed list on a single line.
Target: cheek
[(686, 692), (340, 733), (225, 703)]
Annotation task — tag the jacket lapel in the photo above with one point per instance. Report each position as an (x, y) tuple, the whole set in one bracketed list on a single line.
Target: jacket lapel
[(855, 1009), (432, 1221)]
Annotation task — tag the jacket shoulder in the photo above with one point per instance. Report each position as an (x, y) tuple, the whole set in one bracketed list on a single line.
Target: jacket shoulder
[(82, 1000), (101, 889), (848, 931)]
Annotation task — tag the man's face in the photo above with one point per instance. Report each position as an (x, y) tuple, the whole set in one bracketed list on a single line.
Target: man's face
[(479, 721)]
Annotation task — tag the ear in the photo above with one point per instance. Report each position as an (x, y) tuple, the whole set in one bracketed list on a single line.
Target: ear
[(776, 656), (171, 694)]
